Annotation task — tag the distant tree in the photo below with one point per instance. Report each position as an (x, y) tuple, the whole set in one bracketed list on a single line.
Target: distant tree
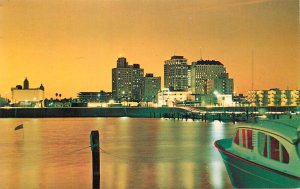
[(56, 94), (59, 96)]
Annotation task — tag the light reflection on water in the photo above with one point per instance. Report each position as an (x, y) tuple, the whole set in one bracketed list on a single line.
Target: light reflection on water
[(143, 153)]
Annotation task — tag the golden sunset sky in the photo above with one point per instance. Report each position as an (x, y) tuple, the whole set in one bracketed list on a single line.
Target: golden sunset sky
[(72, 45)]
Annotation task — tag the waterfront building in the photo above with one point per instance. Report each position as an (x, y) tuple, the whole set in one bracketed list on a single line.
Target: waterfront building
[(170, 98), (274, 97), (176, 73), (151, 87), (222, 84), (59, 103), (203, 72), (189, 77), (239, 100), (101, 96), (127, 81), (137, 82), (26, 96), (3, 101)]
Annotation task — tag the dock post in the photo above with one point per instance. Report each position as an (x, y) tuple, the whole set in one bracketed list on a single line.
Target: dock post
[(233, 117), (95, 147)]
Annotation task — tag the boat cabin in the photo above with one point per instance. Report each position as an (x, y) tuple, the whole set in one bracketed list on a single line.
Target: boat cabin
[(271, 143)]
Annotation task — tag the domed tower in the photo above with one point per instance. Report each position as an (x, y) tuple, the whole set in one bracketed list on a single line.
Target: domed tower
[(42, 87), (26, 84)]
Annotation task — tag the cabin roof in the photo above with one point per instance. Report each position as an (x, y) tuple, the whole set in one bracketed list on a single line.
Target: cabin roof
[(286, 128)]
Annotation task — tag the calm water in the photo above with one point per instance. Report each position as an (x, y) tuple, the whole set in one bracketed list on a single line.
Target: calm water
[(143, 153)]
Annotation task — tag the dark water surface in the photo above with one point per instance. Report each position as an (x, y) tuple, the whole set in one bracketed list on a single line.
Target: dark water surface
[(141, 153)]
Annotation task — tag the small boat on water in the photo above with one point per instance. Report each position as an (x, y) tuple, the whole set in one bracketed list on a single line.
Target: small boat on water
[(264, 154)]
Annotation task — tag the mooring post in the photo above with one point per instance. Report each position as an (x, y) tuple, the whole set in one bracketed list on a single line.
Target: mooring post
[(95, 147)]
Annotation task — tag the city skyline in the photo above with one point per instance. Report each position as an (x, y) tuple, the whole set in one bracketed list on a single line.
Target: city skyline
[(72, 46)]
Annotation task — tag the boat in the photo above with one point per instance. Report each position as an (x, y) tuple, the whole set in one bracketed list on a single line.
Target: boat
[(263, 154)]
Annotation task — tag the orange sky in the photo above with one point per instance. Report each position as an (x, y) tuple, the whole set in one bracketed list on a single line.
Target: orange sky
[(72, 45)]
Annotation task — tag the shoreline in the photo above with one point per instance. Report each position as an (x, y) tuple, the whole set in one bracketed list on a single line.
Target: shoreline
[(137, 112)]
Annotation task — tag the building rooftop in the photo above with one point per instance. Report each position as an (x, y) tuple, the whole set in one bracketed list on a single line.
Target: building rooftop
[(177, 57), (149, 75), (208, 62)]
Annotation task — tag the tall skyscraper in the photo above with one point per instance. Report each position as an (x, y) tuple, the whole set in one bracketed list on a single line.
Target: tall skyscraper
[(137, 82), (176, 73), (189, 77), (202, 72), (127, 81), (151, 87)]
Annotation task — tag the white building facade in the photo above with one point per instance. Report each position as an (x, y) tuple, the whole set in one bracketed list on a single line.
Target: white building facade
[(169, 98), (28, 97)]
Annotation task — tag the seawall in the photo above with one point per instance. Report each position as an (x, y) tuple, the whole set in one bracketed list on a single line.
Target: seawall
[(143, 112)]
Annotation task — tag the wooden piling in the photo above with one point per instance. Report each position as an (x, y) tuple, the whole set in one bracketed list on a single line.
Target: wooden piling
[(95, 147), (233, 117)]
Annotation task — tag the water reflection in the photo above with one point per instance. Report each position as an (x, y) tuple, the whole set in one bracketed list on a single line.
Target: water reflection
[(143, 153)]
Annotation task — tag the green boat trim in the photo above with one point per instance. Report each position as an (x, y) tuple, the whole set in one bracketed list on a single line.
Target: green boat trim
[(219, 146)]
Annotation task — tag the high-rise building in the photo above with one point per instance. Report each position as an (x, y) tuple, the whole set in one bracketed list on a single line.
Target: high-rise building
[(151, 87), (189, 77), (137, 82), (176, 73), (127, 81), (203, 72), (222, 84)]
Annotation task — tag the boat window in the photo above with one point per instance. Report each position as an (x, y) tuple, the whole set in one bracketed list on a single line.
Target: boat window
[(271, 148), (237, 137), (249, 139), (285, 155), (274, 148), (262, 144), (244, 138)]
